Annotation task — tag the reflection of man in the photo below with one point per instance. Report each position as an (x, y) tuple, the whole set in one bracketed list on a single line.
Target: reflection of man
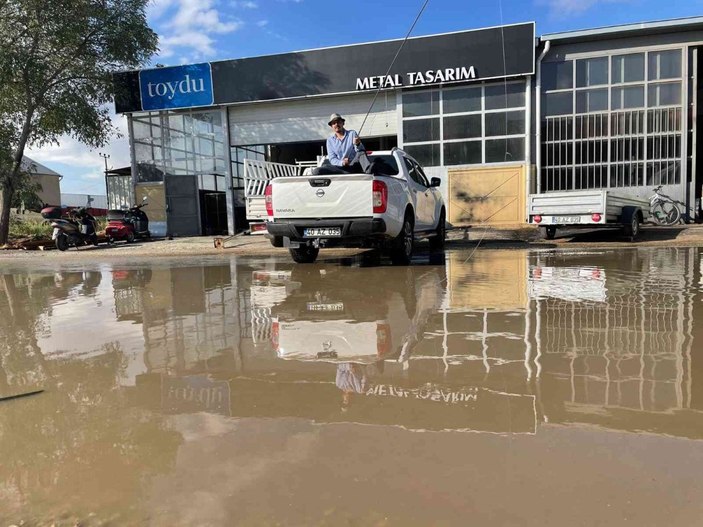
[(354, 378)]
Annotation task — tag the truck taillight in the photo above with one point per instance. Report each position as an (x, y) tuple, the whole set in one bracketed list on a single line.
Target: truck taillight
[(380, 197), (274, 336), (383, 339), (268, 197), (537, 219), (596, 217)]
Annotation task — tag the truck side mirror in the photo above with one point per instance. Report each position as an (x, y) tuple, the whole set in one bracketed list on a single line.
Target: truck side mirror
[(435, 182)]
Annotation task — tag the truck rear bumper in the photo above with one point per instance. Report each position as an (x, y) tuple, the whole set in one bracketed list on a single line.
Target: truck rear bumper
[(351, 228)]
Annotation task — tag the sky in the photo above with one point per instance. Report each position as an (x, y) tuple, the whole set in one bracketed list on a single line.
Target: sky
[(192, 31)]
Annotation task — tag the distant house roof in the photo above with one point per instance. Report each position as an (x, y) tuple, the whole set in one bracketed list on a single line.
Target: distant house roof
[(37, 168)]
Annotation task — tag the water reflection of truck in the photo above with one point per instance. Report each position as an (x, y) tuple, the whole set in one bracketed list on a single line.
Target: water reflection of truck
[(355, 314)]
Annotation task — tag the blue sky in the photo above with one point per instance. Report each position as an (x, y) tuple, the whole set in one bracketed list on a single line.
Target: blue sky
[(203, 30)]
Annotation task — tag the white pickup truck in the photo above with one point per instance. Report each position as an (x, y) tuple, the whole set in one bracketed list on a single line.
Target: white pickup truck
[(389, 208)]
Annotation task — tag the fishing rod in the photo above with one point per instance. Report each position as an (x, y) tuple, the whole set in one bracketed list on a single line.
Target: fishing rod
[(375, 96)]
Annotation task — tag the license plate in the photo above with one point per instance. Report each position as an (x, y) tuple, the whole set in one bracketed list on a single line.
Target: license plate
[(566, 219), (318, 306), (322, 232)]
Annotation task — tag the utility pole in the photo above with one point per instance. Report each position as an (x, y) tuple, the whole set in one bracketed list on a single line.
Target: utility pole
[(107, 190)]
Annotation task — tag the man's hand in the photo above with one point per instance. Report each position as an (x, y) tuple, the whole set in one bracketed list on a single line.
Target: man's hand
[(357, 140), (345, 162)]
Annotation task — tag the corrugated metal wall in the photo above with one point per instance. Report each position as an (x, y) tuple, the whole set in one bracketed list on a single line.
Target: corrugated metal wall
[(306, 120)]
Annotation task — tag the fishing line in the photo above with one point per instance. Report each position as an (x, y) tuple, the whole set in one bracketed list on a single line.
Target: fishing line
[(393, 62)]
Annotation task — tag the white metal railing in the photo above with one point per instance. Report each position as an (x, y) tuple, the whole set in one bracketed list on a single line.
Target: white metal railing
[(258, 174)]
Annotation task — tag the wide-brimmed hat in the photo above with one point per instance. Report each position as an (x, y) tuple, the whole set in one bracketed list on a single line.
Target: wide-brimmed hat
[(335, 117)]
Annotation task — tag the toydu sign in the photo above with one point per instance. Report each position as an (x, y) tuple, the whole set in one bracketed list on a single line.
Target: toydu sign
[(177, 87)]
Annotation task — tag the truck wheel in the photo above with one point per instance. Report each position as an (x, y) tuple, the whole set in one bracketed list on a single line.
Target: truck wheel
[(62, 242), (632, 229), (550, 232), (304, 254), (402, 250), (277, 241), (437, 241)]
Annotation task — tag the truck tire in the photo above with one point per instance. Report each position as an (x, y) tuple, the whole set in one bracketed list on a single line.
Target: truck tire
[(550, 232), (402, 249), (277, 241), (437, 241), (304, 254)]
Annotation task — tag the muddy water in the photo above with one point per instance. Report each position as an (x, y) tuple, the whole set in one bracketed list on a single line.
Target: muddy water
[(511, 388)]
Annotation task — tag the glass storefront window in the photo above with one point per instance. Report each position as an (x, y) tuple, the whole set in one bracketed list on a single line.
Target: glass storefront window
[(627, 97), (499, 96), (462, 127), (664, 64), (505, 150), (592, 100), (505, 123), (628, 68), (591, 72), (420, 130), (426, 155), (666, 94), (462, 100), (416, 104), (463, 153)]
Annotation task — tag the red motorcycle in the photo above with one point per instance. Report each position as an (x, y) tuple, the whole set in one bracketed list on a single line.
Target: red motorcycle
[(127, 224)]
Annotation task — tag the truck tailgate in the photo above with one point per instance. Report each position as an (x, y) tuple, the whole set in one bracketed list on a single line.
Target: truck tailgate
[(338, 196)]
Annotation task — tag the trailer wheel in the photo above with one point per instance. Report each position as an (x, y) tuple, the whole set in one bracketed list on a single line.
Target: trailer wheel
[(632, 229), (277, 241), (550, 232)]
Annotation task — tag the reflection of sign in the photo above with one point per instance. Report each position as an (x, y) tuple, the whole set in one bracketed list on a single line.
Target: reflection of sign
[(177, 87), (428, 392), (195, 393)]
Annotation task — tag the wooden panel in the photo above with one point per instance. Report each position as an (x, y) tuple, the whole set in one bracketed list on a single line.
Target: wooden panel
[(156, 209), (488, 196)]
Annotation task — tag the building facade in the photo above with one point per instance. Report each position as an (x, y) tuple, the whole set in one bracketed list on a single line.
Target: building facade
[(496, 113)]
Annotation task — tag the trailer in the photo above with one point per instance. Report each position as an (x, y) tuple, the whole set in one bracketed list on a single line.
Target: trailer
[(589, 209)]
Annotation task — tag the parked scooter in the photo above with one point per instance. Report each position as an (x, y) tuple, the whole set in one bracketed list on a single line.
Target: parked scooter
[(127, 224), (78, 228)]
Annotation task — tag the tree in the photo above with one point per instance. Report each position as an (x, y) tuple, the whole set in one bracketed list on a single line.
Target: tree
[(56, 65)]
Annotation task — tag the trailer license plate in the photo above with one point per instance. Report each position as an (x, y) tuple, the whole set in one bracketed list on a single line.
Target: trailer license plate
[(566, 219), (322, 232), (318, 306)]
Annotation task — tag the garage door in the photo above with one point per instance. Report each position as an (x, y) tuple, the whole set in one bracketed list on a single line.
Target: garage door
[(306, 120), (489, 196)]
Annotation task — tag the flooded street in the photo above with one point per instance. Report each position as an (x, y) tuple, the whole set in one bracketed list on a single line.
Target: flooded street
[(497, 387)]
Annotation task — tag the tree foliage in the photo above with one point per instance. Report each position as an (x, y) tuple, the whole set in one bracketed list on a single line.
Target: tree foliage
[(56, 62)]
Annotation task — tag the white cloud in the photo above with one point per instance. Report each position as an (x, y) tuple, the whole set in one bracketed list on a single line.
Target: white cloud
[(245, 5), (567, 8), (189, 27), (262, 23)]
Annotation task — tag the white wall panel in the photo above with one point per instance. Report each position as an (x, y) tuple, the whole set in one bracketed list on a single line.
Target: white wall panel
[(306, 120)]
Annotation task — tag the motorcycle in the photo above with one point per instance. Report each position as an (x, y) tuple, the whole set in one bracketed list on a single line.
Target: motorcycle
[(127, 224), (78, 228)]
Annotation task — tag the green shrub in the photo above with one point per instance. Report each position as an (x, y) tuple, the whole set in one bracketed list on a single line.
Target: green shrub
[(29, 228)]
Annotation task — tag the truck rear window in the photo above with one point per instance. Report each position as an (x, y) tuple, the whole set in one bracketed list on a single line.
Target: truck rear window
[(385, 164)]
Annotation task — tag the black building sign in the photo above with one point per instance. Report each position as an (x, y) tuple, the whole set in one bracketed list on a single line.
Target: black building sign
[(465, 56)]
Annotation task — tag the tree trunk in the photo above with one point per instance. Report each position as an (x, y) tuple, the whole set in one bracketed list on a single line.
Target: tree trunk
[(5, 200)]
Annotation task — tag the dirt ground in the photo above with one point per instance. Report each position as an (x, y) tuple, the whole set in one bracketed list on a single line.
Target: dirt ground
[(257, 245)]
